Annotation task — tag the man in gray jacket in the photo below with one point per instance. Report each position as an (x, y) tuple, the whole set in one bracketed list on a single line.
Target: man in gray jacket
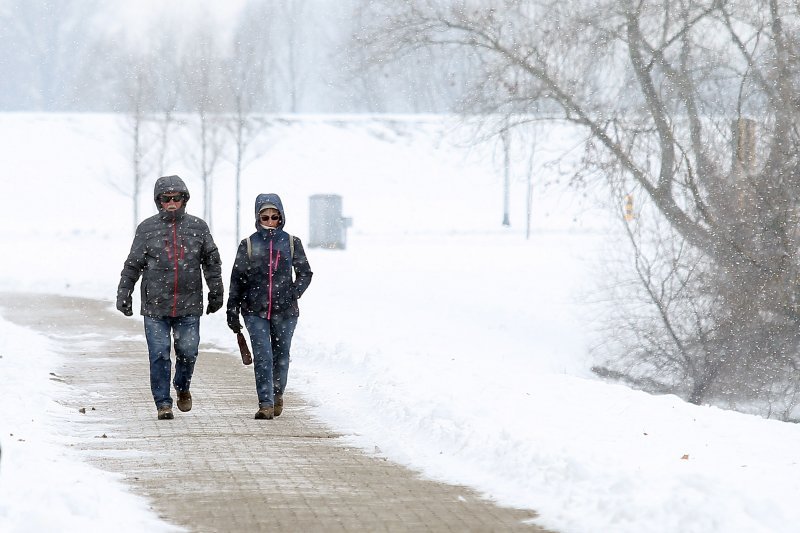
[(169, 251)]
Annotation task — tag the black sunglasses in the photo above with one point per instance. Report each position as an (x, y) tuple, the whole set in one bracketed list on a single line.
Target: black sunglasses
[(267, 217), (167, 198)]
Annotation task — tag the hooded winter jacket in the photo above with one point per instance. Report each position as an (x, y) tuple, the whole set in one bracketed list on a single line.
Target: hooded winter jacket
[(261, 279), (169, 251)]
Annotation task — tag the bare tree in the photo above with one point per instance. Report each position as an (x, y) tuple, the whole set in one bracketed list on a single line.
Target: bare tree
[(295, 12), (167, 87), (136, 117), (247, 84), (204, 89), (45, 47), (417, 79), (655, 87), (135, 83)]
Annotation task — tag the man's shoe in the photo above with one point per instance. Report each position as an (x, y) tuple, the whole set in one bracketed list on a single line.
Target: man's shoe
[(278, 404), (185, 401), (165, 413), (265, 413)]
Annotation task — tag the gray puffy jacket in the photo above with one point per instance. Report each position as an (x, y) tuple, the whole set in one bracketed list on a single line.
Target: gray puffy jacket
[(169, 251)]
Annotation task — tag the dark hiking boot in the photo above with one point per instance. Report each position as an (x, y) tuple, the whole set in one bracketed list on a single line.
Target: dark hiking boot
[(185, 401), (265, 413), (165, 413), (278, 404)]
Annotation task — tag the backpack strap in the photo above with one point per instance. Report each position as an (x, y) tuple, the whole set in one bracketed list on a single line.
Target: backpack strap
[(249, 248), (291, 257)]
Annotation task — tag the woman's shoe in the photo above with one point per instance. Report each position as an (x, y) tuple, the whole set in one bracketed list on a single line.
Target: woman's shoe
[(265, 413)]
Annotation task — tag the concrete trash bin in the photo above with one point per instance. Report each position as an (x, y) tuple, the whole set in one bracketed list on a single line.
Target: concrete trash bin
[(328, 229)]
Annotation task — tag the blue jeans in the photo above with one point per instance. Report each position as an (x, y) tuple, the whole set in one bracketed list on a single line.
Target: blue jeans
[(271, 340), (186, 331)]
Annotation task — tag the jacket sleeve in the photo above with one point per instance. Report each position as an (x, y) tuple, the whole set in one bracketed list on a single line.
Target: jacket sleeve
[(302, 270), (238, 286), (212, 266), (132, 269)]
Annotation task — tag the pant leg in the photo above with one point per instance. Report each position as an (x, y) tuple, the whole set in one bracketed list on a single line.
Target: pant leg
[(157, 333), (186, 331), (282, 331), (258, 328)]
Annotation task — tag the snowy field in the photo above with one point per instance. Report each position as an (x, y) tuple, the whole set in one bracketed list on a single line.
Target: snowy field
[(438, 338)]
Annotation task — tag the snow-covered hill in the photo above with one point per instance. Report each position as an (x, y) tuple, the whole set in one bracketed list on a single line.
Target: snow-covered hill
[(438, 337)]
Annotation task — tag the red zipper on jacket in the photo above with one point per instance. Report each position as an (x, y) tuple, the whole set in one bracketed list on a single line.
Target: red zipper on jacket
[(270, 271), (175, 264)]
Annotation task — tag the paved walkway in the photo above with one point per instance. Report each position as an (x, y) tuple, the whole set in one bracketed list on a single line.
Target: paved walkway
[(215, 468)]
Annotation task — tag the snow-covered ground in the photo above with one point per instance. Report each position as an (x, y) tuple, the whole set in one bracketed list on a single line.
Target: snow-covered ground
[(438, 338)]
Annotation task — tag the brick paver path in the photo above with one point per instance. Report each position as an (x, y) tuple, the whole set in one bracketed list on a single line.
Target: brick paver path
[(215, 468)]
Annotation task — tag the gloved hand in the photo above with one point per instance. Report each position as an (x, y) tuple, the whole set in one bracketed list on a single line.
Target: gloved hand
[(233, 320), (214, 303), (124, 305)]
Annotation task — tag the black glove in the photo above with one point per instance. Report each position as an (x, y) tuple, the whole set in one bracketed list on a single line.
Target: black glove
[(233, 320), (124, 305), (214, 303)]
